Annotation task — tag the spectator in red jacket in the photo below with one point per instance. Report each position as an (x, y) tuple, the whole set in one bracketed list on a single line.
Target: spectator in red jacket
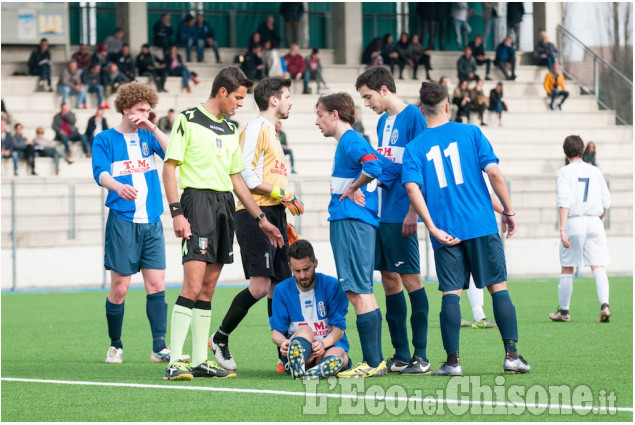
[(295, 63)]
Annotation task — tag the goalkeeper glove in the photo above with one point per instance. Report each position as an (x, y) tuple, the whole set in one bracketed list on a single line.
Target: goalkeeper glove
[(293, 204), (292, 235)]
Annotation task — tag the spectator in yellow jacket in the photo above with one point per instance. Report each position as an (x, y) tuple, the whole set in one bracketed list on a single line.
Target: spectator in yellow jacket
[(554, 85)]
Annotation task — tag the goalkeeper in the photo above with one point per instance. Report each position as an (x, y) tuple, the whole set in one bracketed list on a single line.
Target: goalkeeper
[(266, 176)]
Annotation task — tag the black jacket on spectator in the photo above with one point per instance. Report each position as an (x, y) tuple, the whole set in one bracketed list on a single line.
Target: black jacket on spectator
[(126, 66), (162, 34)]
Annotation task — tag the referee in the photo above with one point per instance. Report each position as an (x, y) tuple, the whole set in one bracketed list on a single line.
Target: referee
[(205, 148)]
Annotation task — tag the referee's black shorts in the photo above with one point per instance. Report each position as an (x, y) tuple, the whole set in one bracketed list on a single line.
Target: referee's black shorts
[(211, 217), (260, 258)]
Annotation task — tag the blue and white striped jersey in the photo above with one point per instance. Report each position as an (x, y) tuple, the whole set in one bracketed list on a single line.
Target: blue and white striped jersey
[(129, 159)]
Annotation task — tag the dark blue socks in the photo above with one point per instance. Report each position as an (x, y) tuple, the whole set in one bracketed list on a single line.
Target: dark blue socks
[(367, 325), (114, 317), (450, 317), (157, 312), (419, 321), (505, 316), (396, 315)]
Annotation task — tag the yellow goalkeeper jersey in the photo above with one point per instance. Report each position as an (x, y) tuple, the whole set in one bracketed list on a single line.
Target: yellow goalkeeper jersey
[(264, 160)]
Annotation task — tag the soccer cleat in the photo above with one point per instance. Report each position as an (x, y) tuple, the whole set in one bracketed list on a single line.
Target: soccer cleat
[(162, 356), (449, 370), (363, 370), (222, 354), (280, 368), (114, 355), (558, 316), (465, 323), (484, 324), (393, 364), (211, 369), (517, 365), (605, 314), (417, 366), (296, 360), (178, 371), (328, 367)]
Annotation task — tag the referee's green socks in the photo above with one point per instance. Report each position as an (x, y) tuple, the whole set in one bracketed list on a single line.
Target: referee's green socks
[(157, 312), (201, 320), (180, 326), (114, 317), (419, 321)]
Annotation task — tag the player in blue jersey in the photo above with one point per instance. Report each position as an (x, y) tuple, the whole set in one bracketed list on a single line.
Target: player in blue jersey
[(309, 318), (442, 172), (397, 244), (353, 222), (124, 163)]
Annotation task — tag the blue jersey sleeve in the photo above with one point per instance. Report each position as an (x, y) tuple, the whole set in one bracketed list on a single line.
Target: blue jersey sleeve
[(360, 151), (411, 169), (338, 307), (485, 152), (390, 173), (279, 319), (418, 124), (102, 157)]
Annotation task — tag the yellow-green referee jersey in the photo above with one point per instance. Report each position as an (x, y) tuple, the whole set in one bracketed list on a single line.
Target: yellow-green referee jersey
[(206, 149)]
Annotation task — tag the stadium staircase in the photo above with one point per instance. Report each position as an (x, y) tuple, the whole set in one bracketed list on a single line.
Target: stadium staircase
[(529, 144)]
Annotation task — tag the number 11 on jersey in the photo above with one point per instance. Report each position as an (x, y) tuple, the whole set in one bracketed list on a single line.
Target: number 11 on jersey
[(452, 151)]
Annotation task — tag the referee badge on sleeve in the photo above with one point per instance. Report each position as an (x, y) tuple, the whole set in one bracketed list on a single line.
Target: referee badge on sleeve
[(202, 244)]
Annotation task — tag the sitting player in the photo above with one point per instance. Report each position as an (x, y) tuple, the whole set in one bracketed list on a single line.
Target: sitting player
[(309, 318)]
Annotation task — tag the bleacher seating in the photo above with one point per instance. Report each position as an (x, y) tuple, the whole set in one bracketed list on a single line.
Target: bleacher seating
[(529, 145)]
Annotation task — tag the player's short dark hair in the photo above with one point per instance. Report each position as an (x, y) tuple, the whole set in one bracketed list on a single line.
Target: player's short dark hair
[(300, 250), (431, 95), (573, 146), (268, 87), (375, 77), (146, 45), (230, 77), (342, 103)]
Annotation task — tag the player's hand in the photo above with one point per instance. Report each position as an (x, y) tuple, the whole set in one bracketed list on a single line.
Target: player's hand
[(127, 192), (564, 239), (141, 122), (409, 227), (272, 232), (444, 238), (317, 348), (284, 347), (356, 196), (292, 235), (509, 225), (293, 204), (181, 227)]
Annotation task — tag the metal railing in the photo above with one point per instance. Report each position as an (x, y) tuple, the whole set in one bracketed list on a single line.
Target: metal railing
[(612, 89)]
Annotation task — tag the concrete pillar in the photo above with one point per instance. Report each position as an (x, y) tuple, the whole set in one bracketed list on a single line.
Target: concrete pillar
[(347, 33), (547, 17), (133, 19)]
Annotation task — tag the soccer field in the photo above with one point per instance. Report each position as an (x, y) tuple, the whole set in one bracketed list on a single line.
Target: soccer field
[(54, 345)]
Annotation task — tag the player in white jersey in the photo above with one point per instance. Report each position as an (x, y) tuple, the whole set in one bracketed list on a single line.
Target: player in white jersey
[(583, 199)]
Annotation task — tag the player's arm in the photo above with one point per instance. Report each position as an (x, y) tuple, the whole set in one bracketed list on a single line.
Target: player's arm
[(179, 222), (145, 124), (500, 188), (101, 164), (371, 168), (244, 195), (409, 226), (280, 341), (563, 213), (419, 204), (498, 207), (319, 347)]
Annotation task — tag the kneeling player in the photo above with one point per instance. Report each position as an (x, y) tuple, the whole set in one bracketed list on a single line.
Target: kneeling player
[(309, 318)]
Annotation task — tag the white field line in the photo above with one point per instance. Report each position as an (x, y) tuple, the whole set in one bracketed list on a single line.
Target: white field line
[(303, 394)]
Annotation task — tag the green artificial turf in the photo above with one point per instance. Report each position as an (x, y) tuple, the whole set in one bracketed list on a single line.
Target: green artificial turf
[(62, 336)]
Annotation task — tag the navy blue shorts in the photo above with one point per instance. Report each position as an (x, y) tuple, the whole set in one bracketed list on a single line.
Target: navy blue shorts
[(483, 257), (354, 254), (131, 247), (395, 253)]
